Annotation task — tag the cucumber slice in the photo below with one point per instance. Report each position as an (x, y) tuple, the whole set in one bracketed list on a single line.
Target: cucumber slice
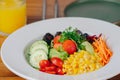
[(27, 53), (88, 47), (54, 53), (39, 45), (39, 42), (37, 57)]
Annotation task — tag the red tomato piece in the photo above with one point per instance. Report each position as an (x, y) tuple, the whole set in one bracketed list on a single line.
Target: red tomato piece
[(44, 63), (42, 69), (57, 61), (59, 71), (56, 39), (69, 46), (50, 68), (51, 72), (57, 46)]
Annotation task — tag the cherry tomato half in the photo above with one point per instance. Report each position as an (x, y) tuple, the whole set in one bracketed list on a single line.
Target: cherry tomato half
[(59, 71), (57, 61), (50, 68), (51, 72), (44, 63), (69, 46), (56, 39), (57, 46)]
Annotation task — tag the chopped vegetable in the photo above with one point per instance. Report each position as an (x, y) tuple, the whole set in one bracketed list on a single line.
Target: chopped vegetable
[(57, 61), (50, 68), (44, 63), (88, 47), (56, 39), (53, 66), (37, 57), (73, 35), (81, 62), (58, 46), (40, 44), (54, 53), (48, 38), (69, 46), (58, 33), (102, 50), (59, 71)]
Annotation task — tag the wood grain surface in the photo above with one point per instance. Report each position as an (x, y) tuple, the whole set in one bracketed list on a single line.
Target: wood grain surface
[(34, 13)]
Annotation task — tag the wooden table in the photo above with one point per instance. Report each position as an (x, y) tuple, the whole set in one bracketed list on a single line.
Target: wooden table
[(34, 13)]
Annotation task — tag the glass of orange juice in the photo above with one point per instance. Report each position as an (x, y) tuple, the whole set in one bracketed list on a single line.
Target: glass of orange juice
[(12, 16)]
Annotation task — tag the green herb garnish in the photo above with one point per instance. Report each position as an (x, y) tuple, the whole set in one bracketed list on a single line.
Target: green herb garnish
[(73, 34)]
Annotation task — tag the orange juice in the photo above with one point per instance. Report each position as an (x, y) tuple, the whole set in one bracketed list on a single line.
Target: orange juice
[(12, 15)]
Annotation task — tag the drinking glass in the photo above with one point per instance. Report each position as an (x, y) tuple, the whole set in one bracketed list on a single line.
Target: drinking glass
[(12, 16)]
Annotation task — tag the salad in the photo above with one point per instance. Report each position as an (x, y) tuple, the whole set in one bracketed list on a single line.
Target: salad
[(68, 52)]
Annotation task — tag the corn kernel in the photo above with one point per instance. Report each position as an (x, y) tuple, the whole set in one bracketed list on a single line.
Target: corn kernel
[(81, 62)]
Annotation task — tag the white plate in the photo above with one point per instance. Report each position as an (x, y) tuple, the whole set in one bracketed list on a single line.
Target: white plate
[(12, 51)]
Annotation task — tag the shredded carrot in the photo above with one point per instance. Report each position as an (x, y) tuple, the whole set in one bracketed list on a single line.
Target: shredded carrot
[(102, 50)]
